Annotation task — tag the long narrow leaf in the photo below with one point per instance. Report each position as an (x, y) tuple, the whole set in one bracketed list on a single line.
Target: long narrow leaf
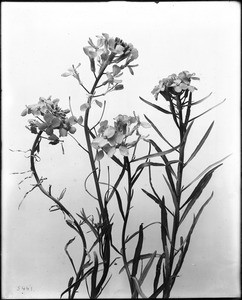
[(62, 194), (72, 225), (158, 291), (69, 284), (77, 282), (183, 253), (162, 153), (188, 112), (94, 275), (67, 253), (164, 224), (155, 106), (197, 192), (158, 131), (204, 171), (140, 168), (120, 206), (138, 288), (135, 233), (147, 268), (199, 146), (85, 220), (173, 193), (137, 253), (198, 215), (167, 261), (155, 193), (158, 271), (142, 257), (158, 201), (207, 111), (186, 133), (201, 100), (118, 197), (164, 158), (149, 163)]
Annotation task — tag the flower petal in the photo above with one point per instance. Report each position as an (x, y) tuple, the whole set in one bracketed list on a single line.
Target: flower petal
[(63, 132), (110, 150), (72, 130), (109, 132), (116, 70), (99, 142), (118, 87), (99, 155), (42, 126), (53, 137), (119, 138), (145, 124), (124, 150), (55, 122), (66, 74), (24, 112), (80, 120), (99, 103), (48, 117), (49, 131), (84, 106), (72, 120)]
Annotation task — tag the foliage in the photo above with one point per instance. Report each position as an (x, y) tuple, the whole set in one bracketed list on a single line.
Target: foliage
[(109, 57)]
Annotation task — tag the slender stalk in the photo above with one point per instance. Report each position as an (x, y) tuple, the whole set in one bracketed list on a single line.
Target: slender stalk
[(35, 148), (182, 129), (129, 198), (104, 213), (88, 140)]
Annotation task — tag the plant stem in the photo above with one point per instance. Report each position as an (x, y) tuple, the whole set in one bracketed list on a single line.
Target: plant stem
[(182, 129), (88, 141), (129, 198), (35, 148), (104, 213)]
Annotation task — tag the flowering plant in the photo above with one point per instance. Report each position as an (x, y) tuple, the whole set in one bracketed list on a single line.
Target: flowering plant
[(119, 141)]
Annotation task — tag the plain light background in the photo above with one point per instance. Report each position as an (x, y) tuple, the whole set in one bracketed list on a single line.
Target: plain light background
[(40, 41)]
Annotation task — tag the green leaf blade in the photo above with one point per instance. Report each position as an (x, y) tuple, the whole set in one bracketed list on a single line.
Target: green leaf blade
[(137, 253), (197, 192), (204, 171), (162, 153), (147, 268), (155, 106), (199, 146), (207, 111)]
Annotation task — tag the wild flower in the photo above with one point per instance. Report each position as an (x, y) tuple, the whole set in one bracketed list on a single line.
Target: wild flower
[(175, 83), (115, 137), (122, 135), (53, 117), (110, 50)]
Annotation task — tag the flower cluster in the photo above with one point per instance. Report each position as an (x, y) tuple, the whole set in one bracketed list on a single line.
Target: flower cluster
[(115, 137), (175, 83), (108, 50), (111, 50), (53, 118)]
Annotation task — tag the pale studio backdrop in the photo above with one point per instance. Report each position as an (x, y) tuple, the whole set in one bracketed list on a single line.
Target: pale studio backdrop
[(39, 42)]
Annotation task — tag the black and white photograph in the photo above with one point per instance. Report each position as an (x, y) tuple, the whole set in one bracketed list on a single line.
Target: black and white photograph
[(121, 150)]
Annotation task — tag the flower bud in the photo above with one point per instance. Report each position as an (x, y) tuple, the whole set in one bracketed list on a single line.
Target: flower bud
[(72, 130), (24, 112)]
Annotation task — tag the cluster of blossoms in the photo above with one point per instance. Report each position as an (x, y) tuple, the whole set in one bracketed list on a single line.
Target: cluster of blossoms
[(53, 118), (115, 137), (107, 51), (175, 84), (110, 50)]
